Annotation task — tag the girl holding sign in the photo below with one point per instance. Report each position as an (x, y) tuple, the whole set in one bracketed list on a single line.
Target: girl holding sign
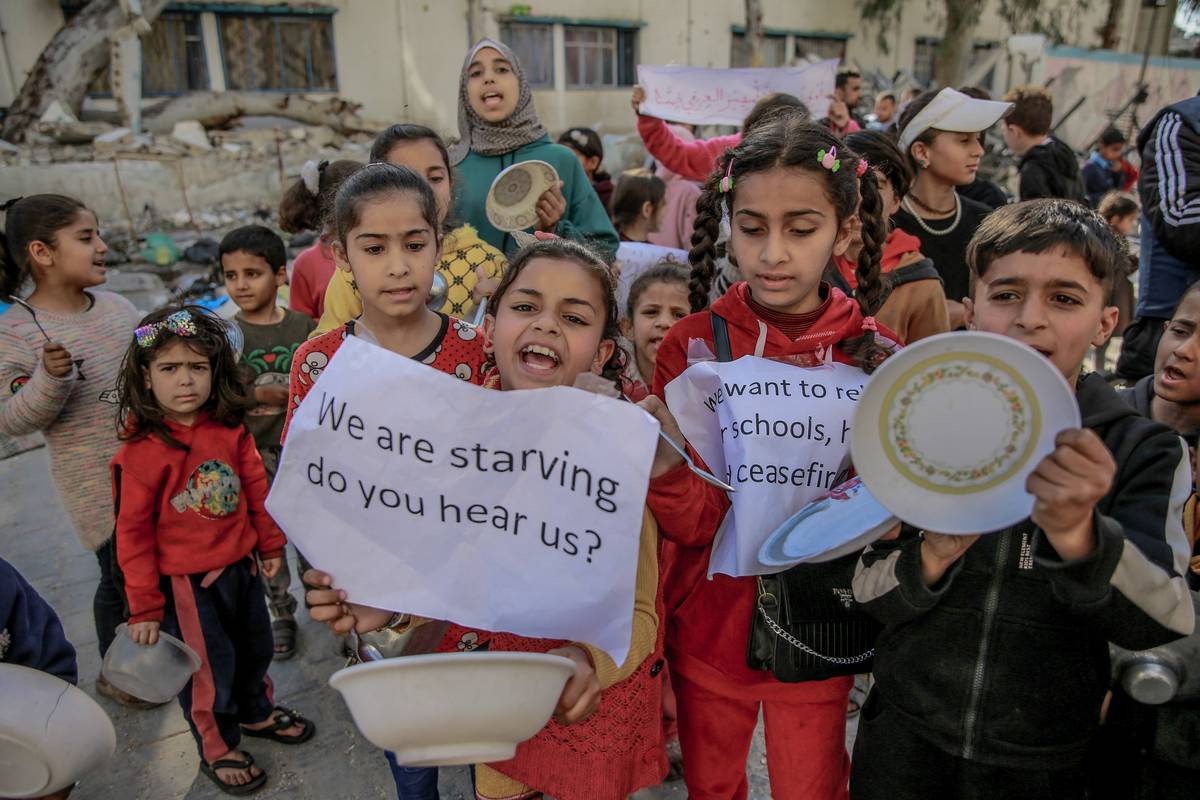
[(554, 323), (792, 192)]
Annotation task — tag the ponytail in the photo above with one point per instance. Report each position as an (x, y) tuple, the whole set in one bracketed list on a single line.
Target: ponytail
[(871, 292), (37, 218), (706, 230)]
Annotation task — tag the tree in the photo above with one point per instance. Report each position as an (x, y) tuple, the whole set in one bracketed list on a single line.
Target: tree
[(754, 31), (70, 62), (1109, 32)]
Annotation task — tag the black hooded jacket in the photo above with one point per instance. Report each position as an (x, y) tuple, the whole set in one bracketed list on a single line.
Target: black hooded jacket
[(1051, 170)]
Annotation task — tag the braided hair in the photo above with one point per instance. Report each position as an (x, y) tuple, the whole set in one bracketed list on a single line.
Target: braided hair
[(790, 140)]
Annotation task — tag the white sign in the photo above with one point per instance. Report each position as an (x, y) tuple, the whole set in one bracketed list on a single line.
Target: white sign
[(725, 96), (506, 511), (778, 433)]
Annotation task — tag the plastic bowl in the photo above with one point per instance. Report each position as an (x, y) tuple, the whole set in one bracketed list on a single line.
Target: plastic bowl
[(453, 708), (156, 672), (51, 733)]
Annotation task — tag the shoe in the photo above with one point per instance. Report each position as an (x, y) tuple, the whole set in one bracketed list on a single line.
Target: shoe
[(124, 698)]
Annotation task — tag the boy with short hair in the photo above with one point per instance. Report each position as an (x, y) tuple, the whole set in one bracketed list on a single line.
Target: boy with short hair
[(1048, 167), (1106, 170), (993, 661), (254, 266)]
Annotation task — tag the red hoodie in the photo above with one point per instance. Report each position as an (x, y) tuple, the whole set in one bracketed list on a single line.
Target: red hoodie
[(898, 246), (710, 627), (183, 512), (693, 160)]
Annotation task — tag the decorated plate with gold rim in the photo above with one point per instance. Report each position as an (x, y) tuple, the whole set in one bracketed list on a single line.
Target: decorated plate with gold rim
[(949, 429), (511, 203)]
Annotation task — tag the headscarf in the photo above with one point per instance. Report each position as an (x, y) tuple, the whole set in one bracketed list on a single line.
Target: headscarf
[(495, 138)]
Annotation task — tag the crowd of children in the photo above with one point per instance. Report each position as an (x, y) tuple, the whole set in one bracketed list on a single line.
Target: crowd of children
[(795, 240)]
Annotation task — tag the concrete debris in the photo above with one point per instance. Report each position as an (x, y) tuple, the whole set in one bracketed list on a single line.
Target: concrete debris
[(191, 133), (299, 134), (56, 112), (114, 136), (9, 147)]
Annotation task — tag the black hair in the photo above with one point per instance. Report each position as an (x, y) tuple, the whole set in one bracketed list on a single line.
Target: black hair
[(977, 92), (1038, 226), (635, 188), (773, 105), (1112, 136), (791, 141), (301, 210), (374, 180), (882, 154), (887, 96), (406, 132), (257, 240), (588, 144), (1117, 204), (37, 218), (927, 136), (139, 414), (666, 271), (575, 253), (844, 75)]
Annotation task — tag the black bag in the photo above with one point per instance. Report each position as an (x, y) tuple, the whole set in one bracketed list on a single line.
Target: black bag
[(806, 624)]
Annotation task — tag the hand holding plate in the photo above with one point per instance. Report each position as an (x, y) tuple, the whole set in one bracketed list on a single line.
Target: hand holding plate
[(1066, 486)]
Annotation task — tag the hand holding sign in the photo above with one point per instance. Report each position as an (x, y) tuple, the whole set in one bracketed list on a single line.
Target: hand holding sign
[(726, 96)]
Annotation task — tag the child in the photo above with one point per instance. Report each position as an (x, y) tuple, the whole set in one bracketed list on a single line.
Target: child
[(470, 266), (637, 205), (1018, 622), (679, 215), (981, 190), (791, 213), (588, 148), (658, 298), (1048, 168), (303, 208), (914, 304), (498, 127), (190, 490), (254, 266), (1106, 170), (939, 135), (885, 112), (559, 294), (1121, 212), (58, 374)]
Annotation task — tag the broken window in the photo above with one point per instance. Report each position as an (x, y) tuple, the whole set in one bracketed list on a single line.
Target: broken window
[(270, 52), (173, 61)]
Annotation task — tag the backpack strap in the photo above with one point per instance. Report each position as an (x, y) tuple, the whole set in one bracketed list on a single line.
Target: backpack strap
[(720, 329)]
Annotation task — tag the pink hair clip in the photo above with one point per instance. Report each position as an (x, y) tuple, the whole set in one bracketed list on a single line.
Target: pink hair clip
[(829, 160), (726, 184), (869, 324), (862, 167)]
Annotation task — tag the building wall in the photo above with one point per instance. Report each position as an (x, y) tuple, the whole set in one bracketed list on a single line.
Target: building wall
[(27, 25)]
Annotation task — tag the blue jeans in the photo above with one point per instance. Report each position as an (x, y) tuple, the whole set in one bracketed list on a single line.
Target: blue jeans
[(417, 783)]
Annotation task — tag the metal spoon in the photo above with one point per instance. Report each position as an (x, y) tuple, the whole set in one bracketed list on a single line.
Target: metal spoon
[(703, 475), (18, 301), (364, 650), (480, 313), (438, 292)]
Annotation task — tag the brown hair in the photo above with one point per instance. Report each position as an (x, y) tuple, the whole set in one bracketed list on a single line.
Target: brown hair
[(927, 136), (770, 106), (635, 188), (301, 210), (666, 271), (138, 413), (37, 218), (1033, 110), (1117, 204), (376, 179)]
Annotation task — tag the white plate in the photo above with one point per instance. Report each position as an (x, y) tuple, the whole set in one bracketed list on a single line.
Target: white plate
[(845, 520), (949, 429), (511, 203)]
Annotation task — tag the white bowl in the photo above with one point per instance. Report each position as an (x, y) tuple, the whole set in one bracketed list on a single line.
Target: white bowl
[(156, 672), (51, 733), (453, 708)]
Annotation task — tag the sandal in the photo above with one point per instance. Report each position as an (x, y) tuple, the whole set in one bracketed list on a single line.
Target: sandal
[(252, 786), (285, 718), (284, 633)]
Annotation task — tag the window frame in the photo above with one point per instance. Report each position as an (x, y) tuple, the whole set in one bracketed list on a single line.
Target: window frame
[(548, 28), (627, 51), (625, 59), (275, 19), (180, 64)]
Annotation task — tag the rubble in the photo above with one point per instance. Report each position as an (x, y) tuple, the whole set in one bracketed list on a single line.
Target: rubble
[(191, 133)]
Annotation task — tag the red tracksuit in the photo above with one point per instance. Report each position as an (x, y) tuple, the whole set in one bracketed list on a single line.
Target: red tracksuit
[(709, 621)]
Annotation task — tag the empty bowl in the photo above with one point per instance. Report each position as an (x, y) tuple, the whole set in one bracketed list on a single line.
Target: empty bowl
[(156, 672), (453, 708), (51, 733)]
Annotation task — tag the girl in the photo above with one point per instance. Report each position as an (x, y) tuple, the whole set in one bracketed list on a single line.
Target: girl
[(470, 266), (790, 213), (559, 295), (657, 300), (498, 127), (304, 207), (59, 361), (680, 215), (190, 489), (588, 148), (913, 305), (939, 135), (637, 205)]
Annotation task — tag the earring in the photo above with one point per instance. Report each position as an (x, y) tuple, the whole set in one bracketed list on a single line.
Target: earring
[(924, 165)]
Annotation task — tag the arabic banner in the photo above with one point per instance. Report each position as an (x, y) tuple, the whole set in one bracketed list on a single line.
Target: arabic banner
[(725, 96)]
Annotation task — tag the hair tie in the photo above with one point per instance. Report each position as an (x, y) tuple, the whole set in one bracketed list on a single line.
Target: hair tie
[(869, 324), (829, 160), (310, 173), (180, 323), (7, 204), (726, 184), (862, 167)]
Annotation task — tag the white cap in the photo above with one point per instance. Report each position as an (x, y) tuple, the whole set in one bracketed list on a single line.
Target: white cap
[(951, 110)]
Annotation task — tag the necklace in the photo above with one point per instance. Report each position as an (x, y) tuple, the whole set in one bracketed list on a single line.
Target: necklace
[(932, 231), (928, 207)]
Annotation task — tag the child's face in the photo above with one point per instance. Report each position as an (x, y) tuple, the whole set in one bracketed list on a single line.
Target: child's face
[(887, 194), (424, 158), (885, 107), (784, 230), (589, 163), (250, 281), (1111, 152), (77, 255), (180, 380), (1177, 363), (1124, 225), (659, 307), (549, 326), (1049, 301), (391, 252), (953, 157), (492, 86)]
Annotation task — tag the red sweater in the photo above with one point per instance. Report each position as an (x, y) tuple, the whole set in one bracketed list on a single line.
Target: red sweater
[(710, 619), (693, 160), (183, 512), (311, 272)]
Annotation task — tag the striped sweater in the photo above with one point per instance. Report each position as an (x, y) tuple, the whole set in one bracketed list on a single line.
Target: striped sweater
[(75, 413)]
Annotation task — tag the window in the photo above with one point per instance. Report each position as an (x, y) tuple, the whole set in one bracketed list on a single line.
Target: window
[(173, 61), (773, 52), (265, 52), (820, 48), (534, 47), (597, 57), (925, 60)]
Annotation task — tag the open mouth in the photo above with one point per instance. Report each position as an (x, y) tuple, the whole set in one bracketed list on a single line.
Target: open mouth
[(539, 358), (1173, 375), (492, 99)]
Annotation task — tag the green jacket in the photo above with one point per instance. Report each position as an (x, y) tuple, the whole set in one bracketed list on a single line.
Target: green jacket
[(586, 219)]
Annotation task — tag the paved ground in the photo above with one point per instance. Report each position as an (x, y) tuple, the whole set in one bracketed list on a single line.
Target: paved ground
[(156, 757)]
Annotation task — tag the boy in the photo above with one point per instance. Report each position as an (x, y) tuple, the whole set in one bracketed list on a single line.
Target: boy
[(253, 265), (1048, 167), (993, 661), (885, 112), (1105, 170)]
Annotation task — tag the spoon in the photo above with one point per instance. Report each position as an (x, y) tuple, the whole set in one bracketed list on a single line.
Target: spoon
[(364, 650), (707, 477), (18, 301), (480, 313), (438, 292)]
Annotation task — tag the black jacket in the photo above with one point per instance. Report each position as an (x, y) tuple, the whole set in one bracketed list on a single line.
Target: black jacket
[(1005, 660), (30, 633), (1169, 185), (1051, 170)]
